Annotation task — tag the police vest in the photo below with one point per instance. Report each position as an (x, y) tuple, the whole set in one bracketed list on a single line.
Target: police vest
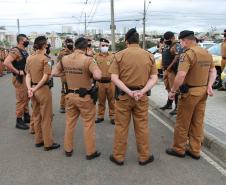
[(198, 73), (167, 57), (20, 65)]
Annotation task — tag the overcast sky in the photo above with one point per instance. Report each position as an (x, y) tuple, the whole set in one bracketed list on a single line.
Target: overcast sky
[(162, 15)]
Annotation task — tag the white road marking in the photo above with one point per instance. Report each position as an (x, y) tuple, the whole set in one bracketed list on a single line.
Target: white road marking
[(205, 156)]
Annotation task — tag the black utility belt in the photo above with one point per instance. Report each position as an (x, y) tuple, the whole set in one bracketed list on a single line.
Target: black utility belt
[(37, 83), (104, 81), (82, 92), (185, 88)]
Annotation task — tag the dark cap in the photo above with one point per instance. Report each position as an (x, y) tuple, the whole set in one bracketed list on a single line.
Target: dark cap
[(168, 35), (67, 40), (224, 30), (186, 33), (130, 33), (104, 40), (79, 40)]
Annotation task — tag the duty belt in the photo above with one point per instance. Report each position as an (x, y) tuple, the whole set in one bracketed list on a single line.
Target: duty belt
[(73, 91), (104, 81), (32, 83), (131, 88)]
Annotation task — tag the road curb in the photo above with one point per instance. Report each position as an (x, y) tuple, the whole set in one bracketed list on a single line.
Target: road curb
[(212, 145)]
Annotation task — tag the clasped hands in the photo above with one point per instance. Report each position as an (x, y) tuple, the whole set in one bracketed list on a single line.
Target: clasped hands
[(137, 95)]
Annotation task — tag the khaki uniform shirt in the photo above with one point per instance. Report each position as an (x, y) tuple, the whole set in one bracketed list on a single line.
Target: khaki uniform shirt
[(196, 62), (37, 65), (63, 53), (104, 62), (78, 69), (134, 66)]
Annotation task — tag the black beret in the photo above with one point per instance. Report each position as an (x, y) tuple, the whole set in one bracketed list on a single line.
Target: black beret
[(224, 30), (186, 33), (79, 40), (130, 33), (104, 40), (67, 40), (168, 35)]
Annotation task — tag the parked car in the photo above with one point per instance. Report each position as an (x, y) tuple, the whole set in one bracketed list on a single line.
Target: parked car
[(158, 59), (216, 52), (207, 44)]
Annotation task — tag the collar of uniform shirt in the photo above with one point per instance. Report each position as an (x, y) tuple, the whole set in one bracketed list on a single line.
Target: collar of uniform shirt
[(104, 54), (79, 51), (40, 51), (133, 45)]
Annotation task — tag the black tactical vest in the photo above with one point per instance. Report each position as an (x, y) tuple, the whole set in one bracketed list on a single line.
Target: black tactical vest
[(20, 65), (167, 57)]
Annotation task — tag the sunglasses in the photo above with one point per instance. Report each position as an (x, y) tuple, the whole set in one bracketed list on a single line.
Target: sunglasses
[(104, 45)]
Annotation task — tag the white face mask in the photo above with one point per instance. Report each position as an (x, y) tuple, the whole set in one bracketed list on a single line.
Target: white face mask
[(104, 49)]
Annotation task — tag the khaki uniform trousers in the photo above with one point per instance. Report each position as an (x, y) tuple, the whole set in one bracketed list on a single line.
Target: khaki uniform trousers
[(190, 124), (168, 78), (75, 106), (106, 91), (124, 108), (223, 63), (21, 97), (62, 98), (42, 116)]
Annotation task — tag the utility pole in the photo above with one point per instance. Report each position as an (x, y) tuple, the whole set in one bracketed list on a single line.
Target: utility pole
[(18, 26), (85, 25), (144, 25), (112, 27)]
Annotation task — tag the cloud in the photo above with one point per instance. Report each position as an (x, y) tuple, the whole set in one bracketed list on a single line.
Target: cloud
[(162, 15)]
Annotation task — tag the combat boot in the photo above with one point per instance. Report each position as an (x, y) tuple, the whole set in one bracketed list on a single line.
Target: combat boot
[(20, 124), (27, 118), (168, 105)]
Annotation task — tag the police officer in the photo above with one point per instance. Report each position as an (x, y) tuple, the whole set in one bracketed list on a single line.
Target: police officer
[(38, 73), (134, 73), (195, 77), (223, 52), (2, 58), (90, 51), (15, 61), (69, 47), (105, 86), (170, 53), (78, 69)]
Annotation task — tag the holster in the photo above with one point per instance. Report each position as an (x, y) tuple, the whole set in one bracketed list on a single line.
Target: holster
[(184, 89), (82, 92), (50, 83), (94, 93)]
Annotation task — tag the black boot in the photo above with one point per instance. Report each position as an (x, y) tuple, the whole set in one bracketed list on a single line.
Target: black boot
[(99, 120), (20, 124), (27, 118), (168, 105)]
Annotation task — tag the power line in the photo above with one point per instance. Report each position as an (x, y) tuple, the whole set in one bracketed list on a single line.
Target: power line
[(93, 22)]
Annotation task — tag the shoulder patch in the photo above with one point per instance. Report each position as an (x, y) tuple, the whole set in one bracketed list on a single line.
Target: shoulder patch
[(181, 59), (94, 61)]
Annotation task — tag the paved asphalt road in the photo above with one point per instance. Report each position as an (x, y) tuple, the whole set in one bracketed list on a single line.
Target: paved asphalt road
[(23, 164)]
